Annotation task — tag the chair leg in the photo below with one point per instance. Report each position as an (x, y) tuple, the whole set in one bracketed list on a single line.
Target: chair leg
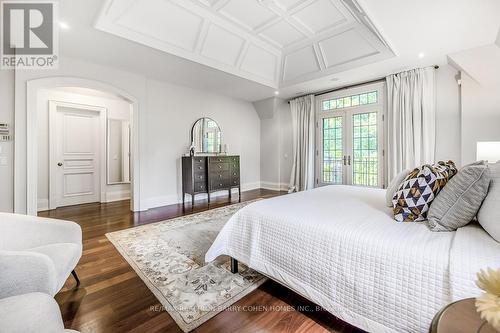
[(76, 278)]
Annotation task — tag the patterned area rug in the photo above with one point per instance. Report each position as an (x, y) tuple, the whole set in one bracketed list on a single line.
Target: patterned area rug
[(169, 258)]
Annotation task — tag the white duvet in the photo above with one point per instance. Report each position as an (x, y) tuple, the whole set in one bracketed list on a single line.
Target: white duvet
[(340, 247)]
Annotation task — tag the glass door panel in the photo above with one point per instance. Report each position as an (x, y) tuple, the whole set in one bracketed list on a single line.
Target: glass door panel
[(333, 150), (365, 149)]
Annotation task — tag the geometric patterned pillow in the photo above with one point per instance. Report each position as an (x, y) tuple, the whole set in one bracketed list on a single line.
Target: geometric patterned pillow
[(414, 196)]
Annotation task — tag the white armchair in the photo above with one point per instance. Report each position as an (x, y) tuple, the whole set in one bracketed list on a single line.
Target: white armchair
[(37, 254), (35, 312)]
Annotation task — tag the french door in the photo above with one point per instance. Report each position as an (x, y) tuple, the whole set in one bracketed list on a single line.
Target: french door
[(350, 138)]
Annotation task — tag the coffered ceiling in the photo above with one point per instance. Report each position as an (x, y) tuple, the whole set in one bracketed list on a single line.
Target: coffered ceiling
[(277, 43)]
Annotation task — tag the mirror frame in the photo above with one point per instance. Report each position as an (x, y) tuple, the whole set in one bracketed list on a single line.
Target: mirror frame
[(200, 153)]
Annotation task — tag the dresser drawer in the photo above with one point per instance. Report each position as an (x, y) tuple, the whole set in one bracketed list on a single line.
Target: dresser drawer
[(219, 159), (199, 167), (200, 187), (199, 160), (218, 176), (200, 176), (218, 184), (216, 167)]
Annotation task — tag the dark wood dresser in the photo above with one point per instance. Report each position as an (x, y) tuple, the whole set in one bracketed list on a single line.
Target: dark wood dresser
[(208, 174)]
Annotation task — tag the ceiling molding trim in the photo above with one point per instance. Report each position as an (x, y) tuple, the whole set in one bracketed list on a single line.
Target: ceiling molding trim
[(262, 41)]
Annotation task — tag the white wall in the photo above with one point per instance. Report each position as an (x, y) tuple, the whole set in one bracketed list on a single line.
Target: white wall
[(166, 113), (7, 148), (116, 108), (480, 115), (172, 111)]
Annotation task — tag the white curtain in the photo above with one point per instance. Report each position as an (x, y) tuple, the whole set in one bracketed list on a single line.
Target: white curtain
[(411, 119), (302, 177)]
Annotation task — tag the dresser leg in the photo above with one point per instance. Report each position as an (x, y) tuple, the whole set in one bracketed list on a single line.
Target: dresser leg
[(230, 194), (208, 197), (239, 193)]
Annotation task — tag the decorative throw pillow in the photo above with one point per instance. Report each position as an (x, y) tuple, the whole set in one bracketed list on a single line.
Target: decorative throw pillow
[(489, 214), (414, 196), (459, 201), (394, 185)]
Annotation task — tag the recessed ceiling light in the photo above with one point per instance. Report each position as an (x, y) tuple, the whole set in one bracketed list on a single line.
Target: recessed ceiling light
[(63, 25), (276, 92), (421, 55)]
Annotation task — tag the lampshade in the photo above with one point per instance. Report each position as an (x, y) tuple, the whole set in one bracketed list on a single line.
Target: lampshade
[(488, 151)]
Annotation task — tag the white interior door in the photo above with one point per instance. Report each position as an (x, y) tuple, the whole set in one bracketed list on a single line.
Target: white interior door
[(75, 155)]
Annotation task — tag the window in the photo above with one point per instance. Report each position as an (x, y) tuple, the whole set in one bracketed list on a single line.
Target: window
[(349, 142), (351, 101)]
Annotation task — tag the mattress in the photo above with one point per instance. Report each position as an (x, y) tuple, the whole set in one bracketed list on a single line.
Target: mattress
[(339, 247)]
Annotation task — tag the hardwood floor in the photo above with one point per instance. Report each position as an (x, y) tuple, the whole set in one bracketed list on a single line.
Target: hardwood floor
[(112, 298)]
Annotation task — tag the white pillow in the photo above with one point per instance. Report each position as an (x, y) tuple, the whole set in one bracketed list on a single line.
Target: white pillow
[(394, 185), (489, 214)]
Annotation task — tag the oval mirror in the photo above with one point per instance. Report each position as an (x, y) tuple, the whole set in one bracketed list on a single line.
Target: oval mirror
[(206, 136)]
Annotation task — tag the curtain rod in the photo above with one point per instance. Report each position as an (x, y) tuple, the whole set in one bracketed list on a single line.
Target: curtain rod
[(349, 86)]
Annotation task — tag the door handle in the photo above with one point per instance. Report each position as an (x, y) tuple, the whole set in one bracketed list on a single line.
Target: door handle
[(59, 164), (349, 160), (345, 160)]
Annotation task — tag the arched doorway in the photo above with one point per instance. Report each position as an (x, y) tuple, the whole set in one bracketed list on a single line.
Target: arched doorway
[(34, 87)]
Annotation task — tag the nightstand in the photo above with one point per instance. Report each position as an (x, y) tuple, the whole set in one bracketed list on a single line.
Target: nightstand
[(460, 317)]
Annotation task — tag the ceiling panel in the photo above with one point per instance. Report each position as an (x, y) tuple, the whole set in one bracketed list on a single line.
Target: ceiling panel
[(260, 62), (222, 45), (319, 15), (344, 47), (288, 4), (282, 33), (250, 14), (159, 19), (300, 62), (277, 43)]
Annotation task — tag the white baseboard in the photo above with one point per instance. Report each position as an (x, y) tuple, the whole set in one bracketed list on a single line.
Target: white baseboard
[(174, 199), (274, 186), (250, 186), (155, 202), (42, 205), (117, 196)]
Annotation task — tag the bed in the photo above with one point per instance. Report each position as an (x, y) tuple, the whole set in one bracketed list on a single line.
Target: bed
[(339, 247)]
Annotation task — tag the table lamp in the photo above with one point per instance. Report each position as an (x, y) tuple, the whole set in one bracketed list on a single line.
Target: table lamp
[(488, 151)]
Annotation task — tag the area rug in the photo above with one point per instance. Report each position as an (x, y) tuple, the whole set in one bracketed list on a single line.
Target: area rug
[(169, 258)]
